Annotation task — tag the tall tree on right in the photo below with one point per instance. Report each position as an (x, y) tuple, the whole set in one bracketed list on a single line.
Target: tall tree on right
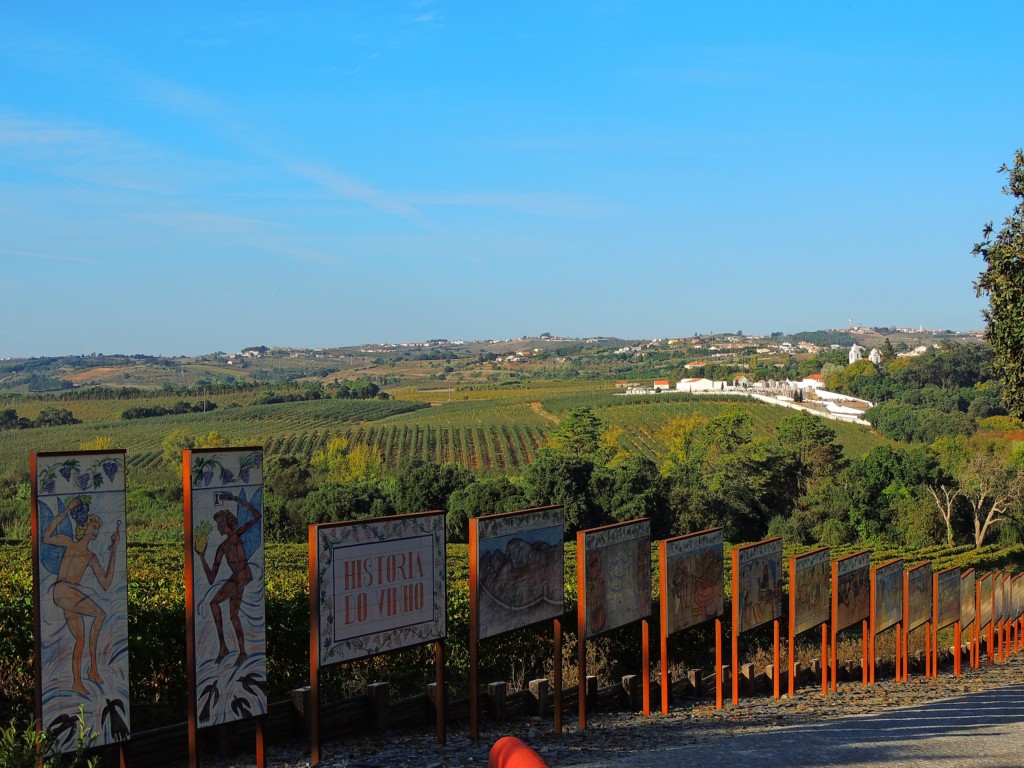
[(1003, 282)]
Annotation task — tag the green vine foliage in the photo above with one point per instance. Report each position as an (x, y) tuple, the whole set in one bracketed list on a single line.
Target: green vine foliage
[(26, 747), (1002, 281)]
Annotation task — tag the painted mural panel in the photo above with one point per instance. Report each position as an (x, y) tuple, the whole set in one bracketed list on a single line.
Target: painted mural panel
[(618, 575), (1007, 607), (997, 597), (225, 527), (985, 603), (81, 593), (758, 583), (1017, 590), (888, 586), (380, 585), (919, 595), (947, 599), (853, 589), (519, 569), (968, 608), (811, 590), (694, 568)]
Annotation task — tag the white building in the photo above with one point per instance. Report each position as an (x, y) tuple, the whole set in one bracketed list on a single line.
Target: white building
[(697, 385), (856, 353)]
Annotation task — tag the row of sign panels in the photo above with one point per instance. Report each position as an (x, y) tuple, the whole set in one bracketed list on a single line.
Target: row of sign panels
[(379, 585)]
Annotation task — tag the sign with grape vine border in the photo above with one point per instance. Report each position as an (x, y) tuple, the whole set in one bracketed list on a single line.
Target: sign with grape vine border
[(80, 594), (379, 585), (225, 580)]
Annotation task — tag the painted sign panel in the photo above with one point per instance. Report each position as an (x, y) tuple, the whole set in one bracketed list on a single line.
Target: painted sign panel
[(888, 590), (224, 536), (967, 598), (810, 589), (757, 584), (618, 575), (694, 587), (380, 585), (1007, 607), (81, 593), (997, 597), (1017, 590), (919, 595), (853, 589), (947, 598), (985, 602), (519, 569)]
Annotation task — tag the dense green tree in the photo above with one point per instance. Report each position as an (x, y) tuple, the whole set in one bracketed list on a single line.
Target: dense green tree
[(330, 502), (993, 484), (9, 419), (558, 478), (286, 483), (55, 417), (1002, 281), (421, 486), (171, 446), (484, 496), (633, 490), (578, 433)]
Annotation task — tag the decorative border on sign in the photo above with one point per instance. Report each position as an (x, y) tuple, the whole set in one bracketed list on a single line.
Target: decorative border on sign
[(332, 535)]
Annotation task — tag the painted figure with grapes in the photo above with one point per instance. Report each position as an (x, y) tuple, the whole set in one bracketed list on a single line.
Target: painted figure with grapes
[(68, 592), (232, 552)]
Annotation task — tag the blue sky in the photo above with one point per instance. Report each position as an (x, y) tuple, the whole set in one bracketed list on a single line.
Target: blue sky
[(192, 177)]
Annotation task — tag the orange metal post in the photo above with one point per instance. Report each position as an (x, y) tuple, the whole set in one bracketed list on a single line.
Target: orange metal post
[(261, 758), (824, 659), (314, 651), (558, 675), (718, 663), (899, 652), (440, 692), (959, 649), (928, 649), (474, 633), (735, 670), (645, 653), (581, 629), (864, 652), (776, 669), (663, 614)]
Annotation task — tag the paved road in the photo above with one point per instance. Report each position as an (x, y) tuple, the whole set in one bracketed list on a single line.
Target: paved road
[(981, 729)]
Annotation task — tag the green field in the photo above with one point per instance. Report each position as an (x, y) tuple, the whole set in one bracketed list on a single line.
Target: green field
[(495, 430)]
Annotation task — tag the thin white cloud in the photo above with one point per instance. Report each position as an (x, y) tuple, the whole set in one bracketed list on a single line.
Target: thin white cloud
[(535, 203), (353, 189), (86, 154), (38, 256)]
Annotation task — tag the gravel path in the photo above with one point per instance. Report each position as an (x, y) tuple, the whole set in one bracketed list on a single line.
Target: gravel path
[(925, 722)]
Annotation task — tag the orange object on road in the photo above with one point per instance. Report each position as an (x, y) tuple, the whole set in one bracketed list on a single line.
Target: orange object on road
[(510, 752)]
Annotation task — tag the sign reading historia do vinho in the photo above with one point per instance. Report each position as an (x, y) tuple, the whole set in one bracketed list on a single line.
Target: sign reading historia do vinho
[(617, 581), (518, 567), (888, 595), (224, 540), (380, 585), (81, 593), (853, 589), (810, 590), (757, 583), (694, 587)]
